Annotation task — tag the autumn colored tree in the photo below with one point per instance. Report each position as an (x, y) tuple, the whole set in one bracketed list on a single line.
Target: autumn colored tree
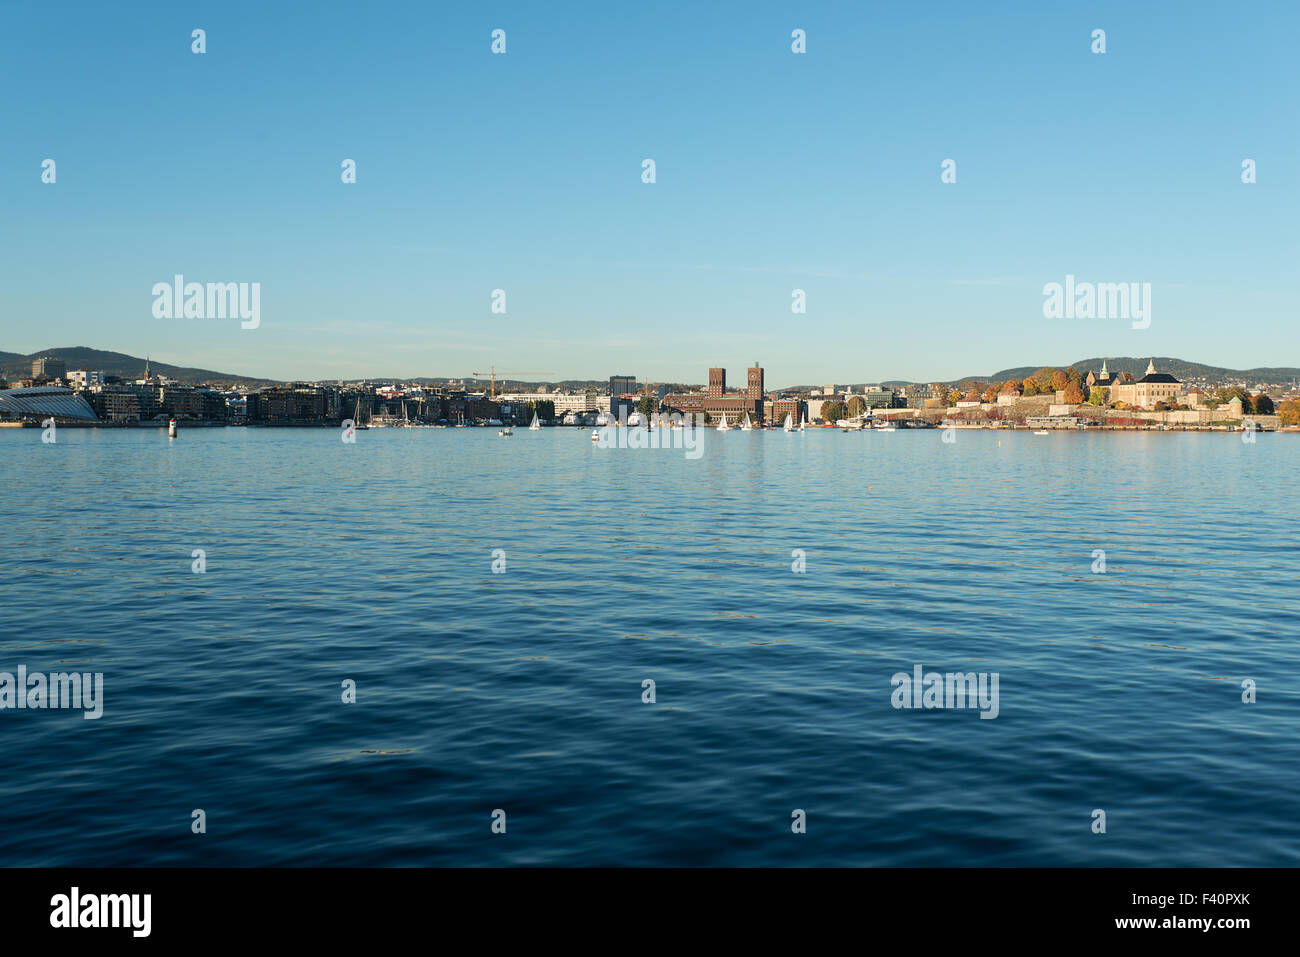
[(1073, 394), (1060, 380), (855, 407), (1289, 412), (990, 394), (833, 411), (1030, 386), (1261, 404)]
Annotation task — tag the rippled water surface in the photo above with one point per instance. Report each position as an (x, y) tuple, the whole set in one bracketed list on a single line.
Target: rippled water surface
[(522, 691)]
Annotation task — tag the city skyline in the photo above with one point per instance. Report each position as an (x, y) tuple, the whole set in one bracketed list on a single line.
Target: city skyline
[(520, 172)]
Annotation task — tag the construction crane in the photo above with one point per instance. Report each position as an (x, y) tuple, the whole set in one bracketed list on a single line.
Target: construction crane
[(493, 374)]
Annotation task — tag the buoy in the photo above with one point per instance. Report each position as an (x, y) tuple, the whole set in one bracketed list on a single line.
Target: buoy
[(171, 428)]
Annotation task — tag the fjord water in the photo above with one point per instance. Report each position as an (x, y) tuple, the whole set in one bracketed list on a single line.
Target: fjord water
[(522, 691)]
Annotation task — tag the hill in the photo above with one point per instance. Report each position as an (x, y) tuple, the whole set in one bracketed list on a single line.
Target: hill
[(1181, 369), (14, 366)]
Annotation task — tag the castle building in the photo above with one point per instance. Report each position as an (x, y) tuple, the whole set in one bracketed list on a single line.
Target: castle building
[(1153, 387)]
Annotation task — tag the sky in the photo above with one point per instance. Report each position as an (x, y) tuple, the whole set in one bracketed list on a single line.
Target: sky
[(775, 171)]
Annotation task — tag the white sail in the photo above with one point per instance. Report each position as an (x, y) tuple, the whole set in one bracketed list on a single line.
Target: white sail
[(535, 426), (789, 423), (746, 426), (722, 426)]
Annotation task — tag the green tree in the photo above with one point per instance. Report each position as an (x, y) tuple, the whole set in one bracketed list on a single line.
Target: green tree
[(647, 404), (1261, 404), (1100, 395), (834, 411)]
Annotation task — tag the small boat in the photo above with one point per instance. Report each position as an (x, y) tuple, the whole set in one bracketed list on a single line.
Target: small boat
[(595, 435), (746, 426), (789, 423), (722, 426), (535, 426), (886, 428), (506, 431), (803, 424), (1042, 432)]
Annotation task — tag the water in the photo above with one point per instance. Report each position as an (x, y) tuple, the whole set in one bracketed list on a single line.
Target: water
[(522, 691)]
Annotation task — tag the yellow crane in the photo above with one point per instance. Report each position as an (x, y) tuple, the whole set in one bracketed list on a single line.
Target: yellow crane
[(493, 374)]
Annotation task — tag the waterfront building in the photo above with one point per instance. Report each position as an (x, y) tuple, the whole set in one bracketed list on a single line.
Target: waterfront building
[(115, 404), (1153, 387), (716, 403), (44, 401)]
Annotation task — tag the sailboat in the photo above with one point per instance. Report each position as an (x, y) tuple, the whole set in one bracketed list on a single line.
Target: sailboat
[(535, 426), (722, 426), (803, 424), (789, 423), (746, 426)]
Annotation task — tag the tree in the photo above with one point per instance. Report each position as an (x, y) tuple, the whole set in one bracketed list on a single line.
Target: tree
[(1261, 404), (833, 411), (1289, 412), (990, 394), (1030, 386), (542, 408), (1060, 380), (1073, 394), (1012, 385), (855, 407), (1100, 395), (647, 404)]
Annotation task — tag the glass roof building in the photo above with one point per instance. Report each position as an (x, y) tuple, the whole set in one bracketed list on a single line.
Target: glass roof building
[(45, 401)]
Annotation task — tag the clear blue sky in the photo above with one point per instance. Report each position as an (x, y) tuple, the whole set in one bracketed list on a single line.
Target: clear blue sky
[(775, 171)]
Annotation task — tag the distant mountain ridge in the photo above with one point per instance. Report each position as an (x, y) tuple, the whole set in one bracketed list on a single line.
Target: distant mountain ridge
[(14, 366)]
